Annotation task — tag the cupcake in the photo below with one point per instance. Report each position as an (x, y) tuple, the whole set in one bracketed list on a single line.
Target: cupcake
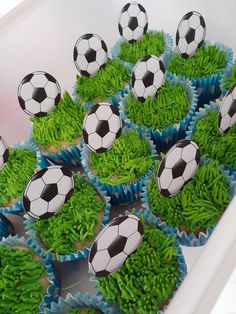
[(27, 280), (81, 303), (67, 235), (228, 79), (165, 117), (192, 213), (24, 159), (205, 69), (59, 134), (212, 143), (150, 276), (121, 170)]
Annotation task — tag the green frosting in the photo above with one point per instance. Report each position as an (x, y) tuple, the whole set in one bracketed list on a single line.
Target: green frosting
[(75, 222), (16, 173), (152, 43), (64, 123), (147, 279), (128, 159), (198, 206), (82, 311), (170, 106), (207, 60), (214, 144), (20, 291), (230, 80), (107, 82)]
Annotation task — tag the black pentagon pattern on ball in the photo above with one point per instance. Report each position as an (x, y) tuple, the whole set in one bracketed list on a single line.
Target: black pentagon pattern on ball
[(50, 77), (178, 168), (27, 78), (102, 273), (133, 23), (85, 135), (57, 99), (232, 108), (104, 46), (39, 94), (117, 246), (75, 53), (93, 109), (38, 174), (118, 134), (120, 29), (46, 215), (118, 220), (125, 8), (87, 36), (162, 166), (6, 155), (49, 192), (90, 55), (198, 156), (140, 228), (188, 15), (115, 110), (185, 55), (162, 67), (26, 203), (148, 79), (177, 37), (183, 143), (190, 35), (165, 193), (202, 22), (102, 128), (141, 8), (66, 171), (93, 251)]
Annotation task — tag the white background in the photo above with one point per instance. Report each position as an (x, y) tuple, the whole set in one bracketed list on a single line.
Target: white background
[(40, 35)]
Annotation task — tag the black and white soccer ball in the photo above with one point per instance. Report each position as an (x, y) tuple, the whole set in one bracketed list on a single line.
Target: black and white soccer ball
[(190, 35), (120, 238), (4, 153), (227, 113), (47, 191), (90, 54), (38, 93), (102, 126), (133, 22), (178, 167), (147, 77)]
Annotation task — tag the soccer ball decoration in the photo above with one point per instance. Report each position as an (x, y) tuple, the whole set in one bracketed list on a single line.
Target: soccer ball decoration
[(190, 35), (227, 113), (178, 167), (133, 22), (4, 153), (90, 54), (47, 191), (147, 77), (38, 93), (120, 238), (102, 126)]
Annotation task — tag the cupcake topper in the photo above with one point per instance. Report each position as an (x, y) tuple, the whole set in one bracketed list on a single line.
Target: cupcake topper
[(178, 167), (190, 35), (113, 245), (147, 77), (4, 153), (38, 93), (47, 191), (102, 126), (227, 113), (133, 22), (90, 54)]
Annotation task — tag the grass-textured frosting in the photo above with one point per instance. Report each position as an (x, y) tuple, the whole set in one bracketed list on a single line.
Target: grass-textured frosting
[(198, 206), (128, 159), (20, 288), (107, 82), (170, 106), (82, 311), (230, 80), (207, 61), (152, 43), (148, 278), (63, 124), (75, 223), (16, 173), (212, 143)]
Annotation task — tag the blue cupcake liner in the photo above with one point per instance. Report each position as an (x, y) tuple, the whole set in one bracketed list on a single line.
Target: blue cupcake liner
[(227, 74), (165, 137), (80, 300), (191, 128), (79, 254), (207, 87), (116, 49), (69, 157), (52, 290), (120, 194), (183, 237), (6, 227), (17, 208), (182, 267)]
